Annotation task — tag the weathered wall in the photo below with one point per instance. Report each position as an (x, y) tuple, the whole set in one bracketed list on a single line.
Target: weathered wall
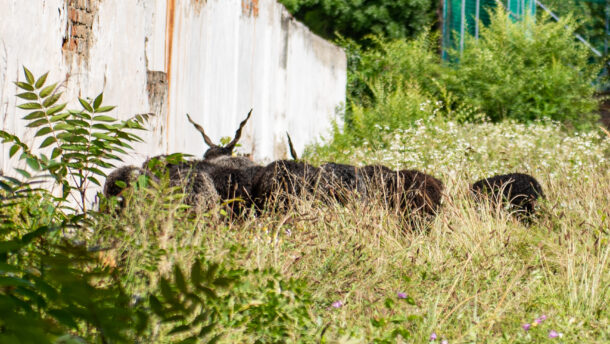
[(213, 59)]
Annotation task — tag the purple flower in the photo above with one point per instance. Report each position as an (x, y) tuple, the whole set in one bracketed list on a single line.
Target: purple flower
[(445, 341), (433, 337), (337, 304), (540, 319), (553, 334), (526, 327), (402, 295)]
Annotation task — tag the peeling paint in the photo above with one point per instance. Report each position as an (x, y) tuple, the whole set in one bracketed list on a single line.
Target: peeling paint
[(78, 36), (169, 45), (250, 8)]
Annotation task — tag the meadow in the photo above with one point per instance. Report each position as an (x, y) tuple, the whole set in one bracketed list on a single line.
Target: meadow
[(474, 274)]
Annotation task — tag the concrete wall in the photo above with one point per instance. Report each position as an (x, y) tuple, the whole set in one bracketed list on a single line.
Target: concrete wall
[(213, 59)]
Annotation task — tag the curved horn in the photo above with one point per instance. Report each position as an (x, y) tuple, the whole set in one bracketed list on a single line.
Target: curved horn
[(238, 132), (200, 129), (293, 152)]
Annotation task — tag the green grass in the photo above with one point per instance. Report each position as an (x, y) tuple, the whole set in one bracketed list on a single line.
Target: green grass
[(475, 274)]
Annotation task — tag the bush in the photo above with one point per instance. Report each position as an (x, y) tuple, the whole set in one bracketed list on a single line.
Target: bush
[(527, 70), (356, 19), (520, 71)]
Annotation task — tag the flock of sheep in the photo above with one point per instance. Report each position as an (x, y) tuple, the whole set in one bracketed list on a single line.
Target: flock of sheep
[(244, 185)]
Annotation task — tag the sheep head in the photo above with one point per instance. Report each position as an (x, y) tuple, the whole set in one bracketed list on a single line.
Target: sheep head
[(215, 150)]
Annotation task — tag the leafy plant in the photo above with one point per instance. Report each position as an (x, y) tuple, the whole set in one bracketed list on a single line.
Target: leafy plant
[(357, 19), (217, 299), (51, 286), (79, 143)]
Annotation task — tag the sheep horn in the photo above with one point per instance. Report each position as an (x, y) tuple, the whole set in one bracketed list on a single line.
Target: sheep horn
[(238, 132), (293, 152), (200, 129)]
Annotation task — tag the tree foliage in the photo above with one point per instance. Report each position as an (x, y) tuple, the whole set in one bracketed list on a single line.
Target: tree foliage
[(356, 19)]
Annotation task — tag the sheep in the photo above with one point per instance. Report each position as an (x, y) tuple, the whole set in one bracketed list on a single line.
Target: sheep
[(127, 176), (223, 155), (339, 180), (275, 183), (409, 191), (520, 191), (232, 176)]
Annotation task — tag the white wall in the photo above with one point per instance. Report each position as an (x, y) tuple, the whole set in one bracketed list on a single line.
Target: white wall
[(221, 58)]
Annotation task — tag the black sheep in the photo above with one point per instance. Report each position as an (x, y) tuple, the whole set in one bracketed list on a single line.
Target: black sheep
[(343, 180), (121, 179), (520, 190), (406, 190), (277, 182)]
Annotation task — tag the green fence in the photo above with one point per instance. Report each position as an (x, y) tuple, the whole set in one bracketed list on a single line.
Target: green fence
[(463, 16)]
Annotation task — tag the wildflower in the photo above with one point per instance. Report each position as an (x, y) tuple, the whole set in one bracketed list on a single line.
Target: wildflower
[(526, 327), (553, 334), (539, 320), (402, 295), (337, 304), (433, 337), (445, 341)]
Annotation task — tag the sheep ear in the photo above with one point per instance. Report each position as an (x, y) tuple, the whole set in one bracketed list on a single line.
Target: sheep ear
[(293, 152), (200, 129), (232, 144)]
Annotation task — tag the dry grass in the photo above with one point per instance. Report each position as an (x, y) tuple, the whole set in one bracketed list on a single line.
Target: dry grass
[(476, 274)]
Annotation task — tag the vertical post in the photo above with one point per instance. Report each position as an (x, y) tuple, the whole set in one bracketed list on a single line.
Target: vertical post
[(462, 26), (444, 33), (607, 28), (476, 23)]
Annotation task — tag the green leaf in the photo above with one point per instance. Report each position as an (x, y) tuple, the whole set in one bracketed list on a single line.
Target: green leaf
[(28, 75), (85, 104), (179, 279), (40, 82), (47, 90), (14, 282), (33, 163), (24, 173), (156, 306), (98, 101), (104, 119), (37, 123), (180, 329), (30, 106), (105, 109), (28, 96), (55, 109), (43, 131), (51, 100), (14, 149), (65, 317), (59, 117), (34, 115), (24, 86), (48, 141), (56, 152)]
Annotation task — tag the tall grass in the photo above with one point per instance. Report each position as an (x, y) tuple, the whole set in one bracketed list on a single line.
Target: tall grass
[(475, 274)]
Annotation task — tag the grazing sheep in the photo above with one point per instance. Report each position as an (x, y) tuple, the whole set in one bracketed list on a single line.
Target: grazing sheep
[(407, 190), (421, 193), (339, 180), (343, 180), (281, 179), (199, 188), (215, 151), (126, 175), (520, 190)]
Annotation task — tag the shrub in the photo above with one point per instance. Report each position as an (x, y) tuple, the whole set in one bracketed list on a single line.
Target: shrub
[(527, 70), (356, 19)]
